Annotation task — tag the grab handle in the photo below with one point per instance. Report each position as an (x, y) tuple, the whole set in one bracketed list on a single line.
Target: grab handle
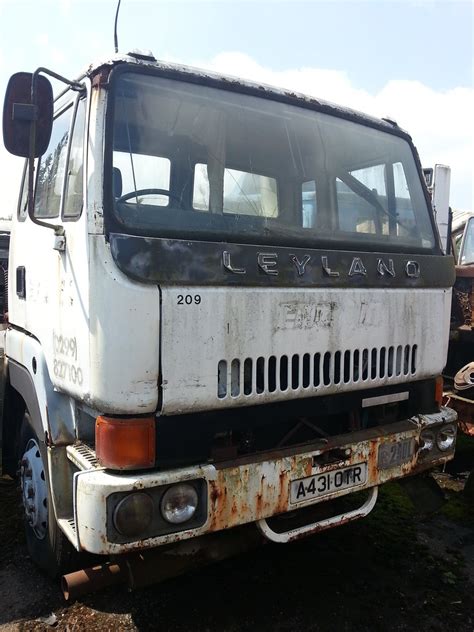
[(321, 525)]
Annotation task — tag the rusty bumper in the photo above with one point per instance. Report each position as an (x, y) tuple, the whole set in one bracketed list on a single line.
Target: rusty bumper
[(247, 490)]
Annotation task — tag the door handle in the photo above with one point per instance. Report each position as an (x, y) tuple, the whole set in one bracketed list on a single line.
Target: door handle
[(21, 282)]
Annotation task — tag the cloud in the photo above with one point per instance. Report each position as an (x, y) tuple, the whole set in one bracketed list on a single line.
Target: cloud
[(440, 122)]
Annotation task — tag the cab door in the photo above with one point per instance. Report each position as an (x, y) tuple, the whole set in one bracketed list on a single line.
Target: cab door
[(48, 296)]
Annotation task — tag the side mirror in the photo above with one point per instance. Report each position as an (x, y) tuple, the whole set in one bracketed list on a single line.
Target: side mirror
[(20, 114)]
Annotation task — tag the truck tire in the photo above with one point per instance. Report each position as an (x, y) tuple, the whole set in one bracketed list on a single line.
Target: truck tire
[(47, 545)]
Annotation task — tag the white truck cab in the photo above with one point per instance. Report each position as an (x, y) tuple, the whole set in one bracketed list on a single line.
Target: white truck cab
[(226, 302)]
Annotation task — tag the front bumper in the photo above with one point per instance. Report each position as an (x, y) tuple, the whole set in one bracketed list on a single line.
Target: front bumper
[(249, 490)]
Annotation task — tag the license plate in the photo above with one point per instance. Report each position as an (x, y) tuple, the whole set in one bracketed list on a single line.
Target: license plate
[(328, 482), (395, 453)]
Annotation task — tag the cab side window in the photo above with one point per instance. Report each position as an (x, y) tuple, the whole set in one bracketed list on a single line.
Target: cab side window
[(73, 199), (52, 169)]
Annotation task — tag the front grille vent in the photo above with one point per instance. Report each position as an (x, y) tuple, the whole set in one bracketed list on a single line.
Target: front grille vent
[(313, 371)]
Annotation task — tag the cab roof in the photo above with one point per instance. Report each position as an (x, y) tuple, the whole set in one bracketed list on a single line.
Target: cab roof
[(198, 75)]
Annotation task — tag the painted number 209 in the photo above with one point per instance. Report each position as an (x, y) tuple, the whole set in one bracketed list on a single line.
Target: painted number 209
[(189, 299)]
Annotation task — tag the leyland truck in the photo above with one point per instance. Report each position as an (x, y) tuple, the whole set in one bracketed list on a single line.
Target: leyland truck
[(227, 305)]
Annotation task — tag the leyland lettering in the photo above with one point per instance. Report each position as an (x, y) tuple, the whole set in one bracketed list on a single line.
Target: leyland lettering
[(269, 264)]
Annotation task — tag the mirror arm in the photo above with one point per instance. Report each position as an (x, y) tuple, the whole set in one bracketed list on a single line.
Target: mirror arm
[(74, 85)]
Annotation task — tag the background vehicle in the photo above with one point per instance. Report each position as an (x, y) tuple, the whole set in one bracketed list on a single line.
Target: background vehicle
[(460, 368), (458, 228), (227, 304), (457, 234), (438, 181)]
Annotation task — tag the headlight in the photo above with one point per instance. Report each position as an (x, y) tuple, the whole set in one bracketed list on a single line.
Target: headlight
[(428, 440), (446, 437), (179, 503), (133, 514)]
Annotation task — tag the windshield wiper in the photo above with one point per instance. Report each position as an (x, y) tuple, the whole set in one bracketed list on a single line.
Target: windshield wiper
[(369, 196)]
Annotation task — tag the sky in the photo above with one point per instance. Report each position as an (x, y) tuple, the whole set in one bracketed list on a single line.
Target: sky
[(409, 60)]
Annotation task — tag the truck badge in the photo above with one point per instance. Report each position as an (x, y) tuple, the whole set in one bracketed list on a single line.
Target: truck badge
[(268, 262)]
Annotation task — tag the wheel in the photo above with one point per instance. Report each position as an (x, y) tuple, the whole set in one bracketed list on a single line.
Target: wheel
[(47, 545)]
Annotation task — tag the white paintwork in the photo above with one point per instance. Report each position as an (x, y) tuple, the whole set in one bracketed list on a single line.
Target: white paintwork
[(81, 296), (252, 322), (94, 160), (124, 337), (22, 349)]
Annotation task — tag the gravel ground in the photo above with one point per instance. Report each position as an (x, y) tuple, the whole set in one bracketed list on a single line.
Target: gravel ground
[(395, 570)]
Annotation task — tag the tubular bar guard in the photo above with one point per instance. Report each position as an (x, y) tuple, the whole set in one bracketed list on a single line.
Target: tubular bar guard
[(315, 527)]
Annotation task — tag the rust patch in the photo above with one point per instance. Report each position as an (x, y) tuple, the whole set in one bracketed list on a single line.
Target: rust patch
[(101, 77), (372, 465), (283, 502), (253, 491), (215, 493)]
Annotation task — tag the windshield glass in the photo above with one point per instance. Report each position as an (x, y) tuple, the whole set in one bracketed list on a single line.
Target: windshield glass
[(467, 248), (195, 162)]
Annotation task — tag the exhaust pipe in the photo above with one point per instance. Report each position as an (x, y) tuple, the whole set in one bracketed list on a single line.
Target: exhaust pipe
[(81, 582), (155, 565)]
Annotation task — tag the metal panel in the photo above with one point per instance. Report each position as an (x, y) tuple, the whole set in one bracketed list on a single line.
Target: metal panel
[(124, 319), (247, 346), (50, 409)]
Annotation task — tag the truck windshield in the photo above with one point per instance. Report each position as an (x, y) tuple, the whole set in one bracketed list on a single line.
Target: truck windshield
[(197, 162), (467, 246)]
